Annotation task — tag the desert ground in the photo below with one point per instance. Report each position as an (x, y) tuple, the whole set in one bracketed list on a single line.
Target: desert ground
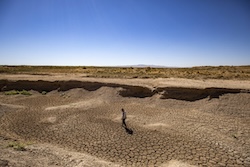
[(68, 119)]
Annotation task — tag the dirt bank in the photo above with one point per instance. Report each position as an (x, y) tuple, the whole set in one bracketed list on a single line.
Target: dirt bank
[(179, 93)]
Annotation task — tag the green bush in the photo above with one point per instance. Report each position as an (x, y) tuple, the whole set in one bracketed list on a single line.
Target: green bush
[(17, 146), (44, 92), (12, 92), (16, 92), (25, 92)]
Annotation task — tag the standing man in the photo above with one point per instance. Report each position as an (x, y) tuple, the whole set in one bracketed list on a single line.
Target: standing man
[(124, 118)]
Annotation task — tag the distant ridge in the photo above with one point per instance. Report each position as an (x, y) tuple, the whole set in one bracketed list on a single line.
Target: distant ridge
[(145, 65)]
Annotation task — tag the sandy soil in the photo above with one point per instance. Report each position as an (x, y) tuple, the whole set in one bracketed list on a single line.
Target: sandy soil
[(80, 127)]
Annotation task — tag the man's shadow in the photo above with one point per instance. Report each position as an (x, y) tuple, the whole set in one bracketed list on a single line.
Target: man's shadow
[(128, 130)]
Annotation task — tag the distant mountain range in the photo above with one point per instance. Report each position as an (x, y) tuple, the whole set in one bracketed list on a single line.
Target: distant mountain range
[(145, 65)]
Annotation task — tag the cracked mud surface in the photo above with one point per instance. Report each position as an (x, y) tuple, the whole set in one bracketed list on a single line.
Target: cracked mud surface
[(206, 132)]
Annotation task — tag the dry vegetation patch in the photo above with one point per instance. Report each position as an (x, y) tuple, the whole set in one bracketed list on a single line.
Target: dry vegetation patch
[(204, 72), (16, 92)]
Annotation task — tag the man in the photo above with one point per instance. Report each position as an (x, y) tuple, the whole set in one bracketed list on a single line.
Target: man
[(124, 118)]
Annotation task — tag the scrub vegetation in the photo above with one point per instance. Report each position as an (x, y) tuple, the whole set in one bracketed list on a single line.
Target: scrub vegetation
[(203, 72), (17, 146), (16, 92)]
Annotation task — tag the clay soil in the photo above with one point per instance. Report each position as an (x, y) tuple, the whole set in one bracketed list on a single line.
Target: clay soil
[(69, 120)]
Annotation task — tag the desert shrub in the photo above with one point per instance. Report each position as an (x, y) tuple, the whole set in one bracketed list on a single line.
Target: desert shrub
[(44, 92), (12, 92), (17, 146), (16, 92), (25, 92), (145, 77), (148, 68)]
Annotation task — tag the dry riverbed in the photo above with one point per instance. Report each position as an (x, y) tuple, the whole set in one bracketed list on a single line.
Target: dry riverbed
[(70, 120)]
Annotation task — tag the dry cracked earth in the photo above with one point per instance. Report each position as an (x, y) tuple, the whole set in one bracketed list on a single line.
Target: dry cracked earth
[(194, 128)]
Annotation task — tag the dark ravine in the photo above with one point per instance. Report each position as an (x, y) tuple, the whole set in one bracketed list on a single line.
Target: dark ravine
[(178, 93), (193, 94), (40, 86)]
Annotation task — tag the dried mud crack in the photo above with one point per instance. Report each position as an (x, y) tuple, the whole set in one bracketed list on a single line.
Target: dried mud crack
[(201, 127)]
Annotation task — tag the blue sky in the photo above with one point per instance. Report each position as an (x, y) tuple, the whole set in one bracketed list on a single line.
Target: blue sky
[(181, 33)]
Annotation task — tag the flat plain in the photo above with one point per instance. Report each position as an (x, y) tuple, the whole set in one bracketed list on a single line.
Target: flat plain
[(71, 116)]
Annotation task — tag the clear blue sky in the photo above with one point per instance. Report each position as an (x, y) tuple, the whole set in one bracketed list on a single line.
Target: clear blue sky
[(125, 32)]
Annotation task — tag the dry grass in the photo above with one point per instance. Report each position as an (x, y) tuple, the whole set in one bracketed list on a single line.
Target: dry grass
[(17, 146), (205, 72), (16, 92)]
